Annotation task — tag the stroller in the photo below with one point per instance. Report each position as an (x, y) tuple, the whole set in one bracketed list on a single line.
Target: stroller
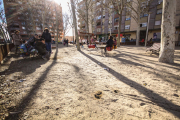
[(27, 50)]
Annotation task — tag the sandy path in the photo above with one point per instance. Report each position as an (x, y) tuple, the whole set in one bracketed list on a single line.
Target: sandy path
[(135, 87)]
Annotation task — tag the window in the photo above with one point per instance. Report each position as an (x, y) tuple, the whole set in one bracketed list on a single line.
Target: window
[(158, 22), (116, 19), (98, 29), (128, 18), (23, 28), (144, 15), (103, 16), (24, 32), (38, 28), (160, 1), (110, 22), (116, 27), (98, 17), (128, 0), (159, 11), (111, 6), (98, 3), (23, 23), (143, 25), (127, 27), (19, 2), (99, 23)]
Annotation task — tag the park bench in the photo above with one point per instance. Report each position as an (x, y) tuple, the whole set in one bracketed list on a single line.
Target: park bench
[(154, 48)]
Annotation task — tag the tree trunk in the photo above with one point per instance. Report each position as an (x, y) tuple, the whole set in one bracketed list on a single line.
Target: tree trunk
[(75, 25), (120, 8), (147, 30), (64, 35), (43, 19), (119, 30), (168, 31), (57, 26), (138, 32), (87, 20)]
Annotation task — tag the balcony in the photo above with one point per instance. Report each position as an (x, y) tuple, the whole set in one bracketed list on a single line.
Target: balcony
[(15, 24), (13, 28)]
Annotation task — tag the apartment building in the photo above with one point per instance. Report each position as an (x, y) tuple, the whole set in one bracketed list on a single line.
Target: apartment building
[(106, 22), (32, 18)]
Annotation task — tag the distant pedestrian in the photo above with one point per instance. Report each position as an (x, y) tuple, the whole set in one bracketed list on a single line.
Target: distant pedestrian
[(67, 41), (17, 40), (47, 36)]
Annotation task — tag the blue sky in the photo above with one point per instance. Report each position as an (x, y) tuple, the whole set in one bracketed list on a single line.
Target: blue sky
[(1, 6)]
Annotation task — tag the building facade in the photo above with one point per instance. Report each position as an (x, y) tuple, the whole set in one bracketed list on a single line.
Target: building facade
[(31, 17), (106, 21)]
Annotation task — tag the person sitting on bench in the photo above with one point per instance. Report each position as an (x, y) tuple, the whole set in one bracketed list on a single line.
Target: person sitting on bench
[(109, 43)]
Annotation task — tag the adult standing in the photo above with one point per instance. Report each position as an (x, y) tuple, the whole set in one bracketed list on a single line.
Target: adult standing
[(47, 36), (17, 40)]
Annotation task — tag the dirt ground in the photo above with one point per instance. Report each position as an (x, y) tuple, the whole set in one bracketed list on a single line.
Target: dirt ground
[(128, 83)]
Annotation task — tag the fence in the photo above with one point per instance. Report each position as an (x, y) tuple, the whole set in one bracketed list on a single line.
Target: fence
[(4, 50)]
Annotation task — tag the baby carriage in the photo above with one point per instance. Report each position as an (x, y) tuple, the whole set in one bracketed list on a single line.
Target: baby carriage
[(27, 50)]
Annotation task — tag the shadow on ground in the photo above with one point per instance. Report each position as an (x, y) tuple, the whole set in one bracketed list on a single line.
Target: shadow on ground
[(20, 108), (26, 100), (153, 97)]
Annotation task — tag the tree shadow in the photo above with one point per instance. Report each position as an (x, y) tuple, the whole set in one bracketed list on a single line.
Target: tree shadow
[(25, 65), (138, 63), (26, 100), (134, 55), (153, 97), (20, 108)]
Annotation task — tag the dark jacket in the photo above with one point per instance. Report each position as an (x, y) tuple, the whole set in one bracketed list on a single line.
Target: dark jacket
[(109, 43), (31, 41), (46, 36)]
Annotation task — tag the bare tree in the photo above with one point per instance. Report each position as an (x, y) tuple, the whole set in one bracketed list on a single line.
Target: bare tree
[(75, 23), (118, 7), (168, 31), (3, 25), (85, 12), (67, 25), (137, 9)]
